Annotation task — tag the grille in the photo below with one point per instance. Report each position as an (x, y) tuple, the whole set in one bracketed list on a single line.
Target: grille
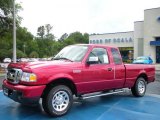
[(14, 75)]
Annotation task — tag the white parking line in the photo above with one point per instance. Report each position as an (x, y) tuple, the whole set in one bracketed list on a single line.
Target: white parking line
[(154, 95)]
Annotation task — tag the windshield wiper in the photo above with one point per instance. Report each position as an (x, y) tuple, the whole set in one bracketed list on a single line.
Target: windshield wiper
[(63, 58)]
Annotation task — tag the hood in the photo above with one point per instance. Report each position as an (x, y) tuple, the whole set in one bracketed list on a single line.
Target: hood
[(40, 64)]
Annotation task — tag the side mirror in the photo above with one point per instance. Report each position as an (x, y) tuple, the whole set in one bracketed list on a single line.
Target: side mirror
[(92, 60)]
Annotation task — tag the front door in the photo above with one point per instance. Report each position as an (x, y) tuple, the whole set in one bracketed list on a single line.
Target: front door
[(98, 76)]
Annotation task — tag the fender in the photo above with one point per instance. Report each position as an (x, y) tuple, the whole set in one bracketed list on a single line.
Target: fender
[(61, 75), (142, 72), (131, 81)]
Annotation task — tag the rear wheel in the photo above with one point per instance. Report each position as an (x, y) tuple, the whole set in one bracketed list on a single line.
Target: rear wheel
[(139, 87), (58, 100)]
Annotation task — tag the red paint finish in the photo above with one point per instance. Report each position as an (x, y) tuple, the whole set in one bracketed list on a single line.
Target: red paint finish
[(27, 91), (86, 77), (135, 70)]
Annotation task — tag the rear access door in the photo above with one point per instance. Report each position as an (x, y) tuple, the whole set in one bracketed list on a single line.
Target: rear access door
[(119, 69)]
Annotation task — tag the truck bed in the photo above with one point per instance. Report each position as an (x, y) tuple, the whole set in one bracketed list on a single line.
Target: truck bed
[(133, 71)]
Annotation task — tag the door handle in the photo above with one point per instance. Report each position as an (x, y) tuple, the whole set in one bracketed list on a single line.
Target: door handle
[(109, 69)]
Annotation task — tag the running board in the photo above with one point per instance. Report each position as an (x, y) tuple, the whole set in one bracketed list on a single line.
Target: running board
[(82, 97)]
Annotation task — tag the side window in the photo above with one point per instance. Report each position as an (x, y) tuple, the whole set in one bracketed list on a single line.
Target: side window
[(101, 54), (116, 56)]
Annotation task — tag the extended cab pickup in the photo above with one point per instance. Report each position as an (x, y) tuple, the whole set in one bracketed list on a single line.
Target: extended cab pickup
[(75, 70)]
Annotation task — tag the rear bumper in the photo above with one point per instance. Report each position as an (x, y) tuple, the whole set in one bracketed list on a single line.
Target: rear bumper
[(21, 93)]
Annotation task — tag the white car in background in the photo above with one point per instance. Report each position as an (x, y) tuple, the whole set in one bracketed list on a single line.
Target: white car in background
[(32, 60), (7, 60), (23, 60)]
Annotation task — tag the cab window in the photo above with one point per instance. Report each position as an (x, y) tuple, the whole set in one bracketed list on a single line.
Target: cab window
[(116, 56), (101, 54)]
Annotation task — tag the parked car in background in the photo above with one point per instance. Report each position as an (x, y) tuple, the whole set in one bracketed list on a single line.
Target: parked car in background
[(7, 60), (143, 60), (23, 60), (42, 59), (33, 60)]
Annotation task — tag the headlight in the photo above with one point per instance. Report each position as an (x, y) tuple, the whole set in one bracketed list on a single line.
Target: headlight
[(28, 77)]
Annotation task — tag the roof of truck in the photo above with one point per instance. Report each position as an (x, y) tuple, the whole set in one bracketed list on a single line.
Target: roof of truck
[(97, 45)]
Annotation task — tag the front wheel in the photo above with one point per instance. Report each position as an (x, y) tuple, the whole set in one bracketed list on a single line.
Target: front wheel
[(139, 87), (58, 100)]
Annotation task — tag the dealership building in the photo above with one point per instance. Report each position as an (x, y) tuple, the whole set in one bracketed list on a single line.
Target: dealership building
[(143, 41)]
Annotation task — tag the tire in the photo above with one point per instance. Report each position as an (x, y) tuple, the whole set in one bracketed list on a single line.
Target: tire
[(57, 101), (139, 87)]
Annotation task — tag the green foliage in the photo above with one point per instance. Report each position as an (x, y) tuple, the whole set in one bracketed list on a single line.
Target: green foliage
[(44, 45), (76, 37), (6, 6), (23, 38), (73, 38), (86, 38), (63, 37), (28, 46), (20, 54), (6, 15), (33, 55), (41, 31), (44, 32), (48, 28), (4, 54)]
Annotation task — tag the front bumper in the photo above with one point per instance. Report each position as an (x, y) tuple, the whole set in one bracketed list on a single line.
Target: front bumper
[(23, 94)]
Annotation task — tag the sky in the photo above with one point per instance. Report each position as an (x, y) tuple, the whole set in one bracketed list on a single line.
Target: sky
[(91, 16)]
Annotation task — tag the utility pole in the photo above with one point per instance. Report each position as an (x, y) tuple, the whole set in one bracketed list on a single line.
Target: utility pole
[(14, 33)]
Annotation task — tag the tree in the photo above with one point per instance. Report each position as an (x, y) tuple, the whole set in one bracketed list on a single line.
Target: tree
[(86, 38), (20, 54), (77, 37), (48, 28), (23, 38), (45, 32), (63, 37), (6, 26), (50, 37), (4, 54), (41, 31), (34, 54), (6, 15)]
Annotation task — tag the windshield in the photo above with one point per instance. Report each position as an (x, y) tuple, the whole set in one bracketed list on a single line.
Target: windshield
[(73, 53)]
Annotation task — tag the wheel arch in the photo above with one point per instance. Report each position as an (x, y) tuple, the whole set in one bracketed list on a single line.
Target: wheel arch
[(143, 75), (61, 81)]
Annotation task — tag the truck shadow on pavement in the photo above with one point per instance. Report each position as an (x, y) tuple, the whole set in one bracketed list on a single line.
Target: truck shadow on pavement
[(113, 107)]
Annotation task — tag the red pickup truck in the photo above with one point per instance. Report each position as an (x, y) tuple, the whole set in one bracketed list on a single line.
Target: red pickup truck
[(75, 70)]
